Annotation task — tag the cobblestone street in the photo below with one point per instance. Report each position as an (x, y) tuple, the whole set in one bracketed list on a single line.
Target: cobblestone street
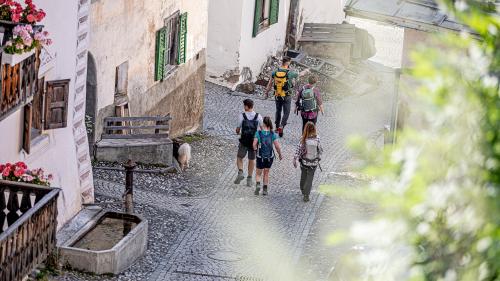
[(223, 231)]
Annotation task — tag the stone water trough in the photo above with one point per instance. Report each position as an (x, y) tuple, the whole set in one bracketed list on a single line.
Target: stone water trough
[(109, 243)]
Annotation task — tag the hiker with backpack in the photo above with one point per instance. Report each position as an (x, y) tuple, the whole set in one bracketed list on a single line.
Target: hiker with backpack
[(249, 122), (264, 143), (308, 154), (309, 102), (281, 81)]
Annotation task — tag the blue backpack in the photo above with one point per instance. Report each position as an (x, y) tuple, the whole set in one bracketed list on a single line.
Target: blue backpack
[(266, 150)]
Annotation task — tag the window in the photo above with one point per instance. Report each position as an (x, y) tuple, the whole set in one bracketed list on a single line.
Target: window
[(266, 14), (170, 45), (48, 110)]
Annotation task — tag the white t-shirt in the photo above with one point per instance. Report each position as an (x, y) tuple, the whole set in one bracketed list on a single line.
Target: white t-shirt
[(250, 116)]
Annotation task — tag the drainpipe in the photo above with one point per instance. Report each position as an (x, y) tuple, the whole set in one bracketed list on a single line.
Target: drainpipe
[(129, 186)]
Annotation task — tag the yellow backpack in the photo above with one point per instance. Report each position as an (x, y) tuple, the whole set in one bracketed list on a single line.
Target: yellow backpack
[(281, 86)]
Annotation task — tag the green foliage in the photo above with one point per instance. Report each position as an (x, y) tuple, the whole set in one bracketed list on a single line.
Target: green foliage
[(438, 188)]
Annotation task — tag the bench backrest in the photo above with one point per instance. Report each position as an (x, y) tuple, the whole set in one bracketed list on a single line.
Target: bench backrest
[(136, 127)]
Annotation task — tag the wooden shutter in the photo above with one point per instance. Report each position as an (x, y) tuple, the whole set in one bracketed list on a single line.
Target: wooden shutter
[(38, 105), (256, 17), (181, 56), (160, 53), (56, 104), (274, 10), (28, 110)]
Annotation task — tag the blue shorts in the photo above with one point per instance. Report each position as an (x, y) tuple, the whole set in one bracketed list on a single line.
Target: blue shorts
[(264, 163)]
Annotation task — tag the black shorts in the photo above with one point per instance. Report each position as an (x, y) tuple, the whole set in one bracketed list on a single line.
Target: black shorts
[(264, 163)]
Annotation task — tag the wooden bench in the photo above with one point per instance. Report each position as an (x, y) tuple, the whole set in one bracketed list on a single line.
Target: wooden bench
[(142, 139)]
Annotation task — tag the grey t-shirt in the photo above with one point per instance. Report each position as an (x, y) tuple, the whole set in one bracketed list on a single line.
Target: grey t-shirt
[(250, 116)]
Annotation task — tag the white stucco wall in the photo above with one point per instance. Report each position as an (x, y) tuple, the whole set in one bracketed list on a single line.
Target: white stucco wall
[(232, 50), (224, 36), (55, 153), (254, 51), (126, 31), (323, 11)]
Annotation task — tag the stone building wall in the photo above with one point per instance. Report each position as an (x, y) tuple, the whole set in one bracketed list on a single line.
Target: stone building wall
[(125, 31)]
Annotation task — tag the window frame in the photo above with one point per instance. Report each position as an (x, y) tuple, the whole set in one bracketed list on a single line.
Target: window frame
[(265, 19)]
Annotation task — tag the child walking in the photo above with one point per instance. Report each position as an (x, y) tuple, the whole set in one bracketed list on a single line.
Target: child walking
[(264, 142), (308, 153)]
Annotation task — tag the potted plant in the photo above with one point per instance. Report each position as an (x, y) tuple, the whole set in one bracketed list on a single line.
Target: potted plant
[(23, 43), (19, 172), (12, 14)]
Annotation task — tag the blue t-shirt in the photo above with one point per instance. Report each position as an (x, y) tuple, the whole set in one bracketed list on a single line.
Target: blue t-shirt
[(265, 133)]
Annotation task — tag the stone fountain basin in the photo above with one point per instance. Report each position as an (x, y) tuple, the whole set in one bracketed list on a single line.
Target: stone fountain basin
[(108, 244)]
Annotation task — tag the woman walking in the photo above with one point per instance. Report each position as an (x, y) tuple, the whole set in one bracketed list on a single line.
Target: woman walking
[(308, 154), (264, 142)]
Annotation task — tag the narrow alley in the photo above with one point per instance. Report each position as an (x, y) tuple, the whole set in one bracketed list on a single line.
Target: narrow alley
[(204, 227)]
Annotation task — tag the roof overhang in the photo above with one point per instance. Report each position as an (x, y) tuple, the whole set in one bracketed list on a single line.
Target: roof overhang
[(423, 15)]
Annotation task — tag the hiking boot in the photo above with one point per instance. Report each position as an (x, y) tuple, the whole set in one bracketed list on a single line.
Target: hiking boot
[(257, 190), (239, 178), (249, 182), (280, 132), (264, 192), (306, 198)]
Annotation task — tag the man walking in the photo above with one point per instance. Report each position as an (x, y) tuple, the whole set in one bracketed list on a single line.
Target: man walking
[(309, 102), (248, 123), (282, 78)]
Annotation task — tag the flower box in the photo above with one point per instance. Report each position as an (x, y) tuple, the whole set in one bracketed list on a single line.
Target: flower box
[(14, 59)]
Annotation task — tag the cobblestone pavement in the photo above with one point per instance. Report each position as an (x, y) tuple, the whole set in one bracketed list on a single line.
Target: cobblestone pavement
[(230, 233)]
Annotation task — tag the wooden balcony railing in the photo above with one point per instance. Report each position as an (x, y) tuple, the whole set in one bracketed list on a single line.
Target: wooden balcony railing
[(28, 224), (18, 84)]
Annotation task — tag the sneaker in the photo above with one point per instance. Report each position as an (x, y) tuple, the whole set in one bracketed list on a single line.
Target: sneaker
[(249, 182), (257, 190), (280, 132), (239, 178), (306, 198), (264, 192)]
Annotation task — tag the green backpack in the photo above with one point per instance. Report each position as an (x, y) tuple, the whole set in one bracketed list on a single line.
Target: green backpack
[(309, 103)]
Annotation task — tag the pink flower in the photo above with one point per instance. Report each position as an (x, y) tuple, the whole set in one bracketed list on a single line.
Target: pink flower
[(31, 18), (27, 41), (6, 172), (48, 42), (18, 172), (15, 17), (50, 177)]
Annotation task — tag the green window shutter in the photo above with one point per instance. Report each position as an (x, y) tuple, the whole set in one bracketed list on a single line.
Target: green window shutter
[(181, 56), (274, 10), (166, 51), (160, 53), (256, 17)]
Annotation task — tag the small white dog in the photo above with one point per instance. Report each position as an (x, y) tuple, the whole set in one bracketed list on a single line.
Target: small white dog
[(184, 156)]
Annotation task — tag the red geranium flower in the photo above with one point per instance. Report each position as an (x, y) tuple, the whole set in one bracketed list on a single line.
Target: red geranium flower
[(31, 18), (18, 172), (6, 172), (22, 165), (15, 17)]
